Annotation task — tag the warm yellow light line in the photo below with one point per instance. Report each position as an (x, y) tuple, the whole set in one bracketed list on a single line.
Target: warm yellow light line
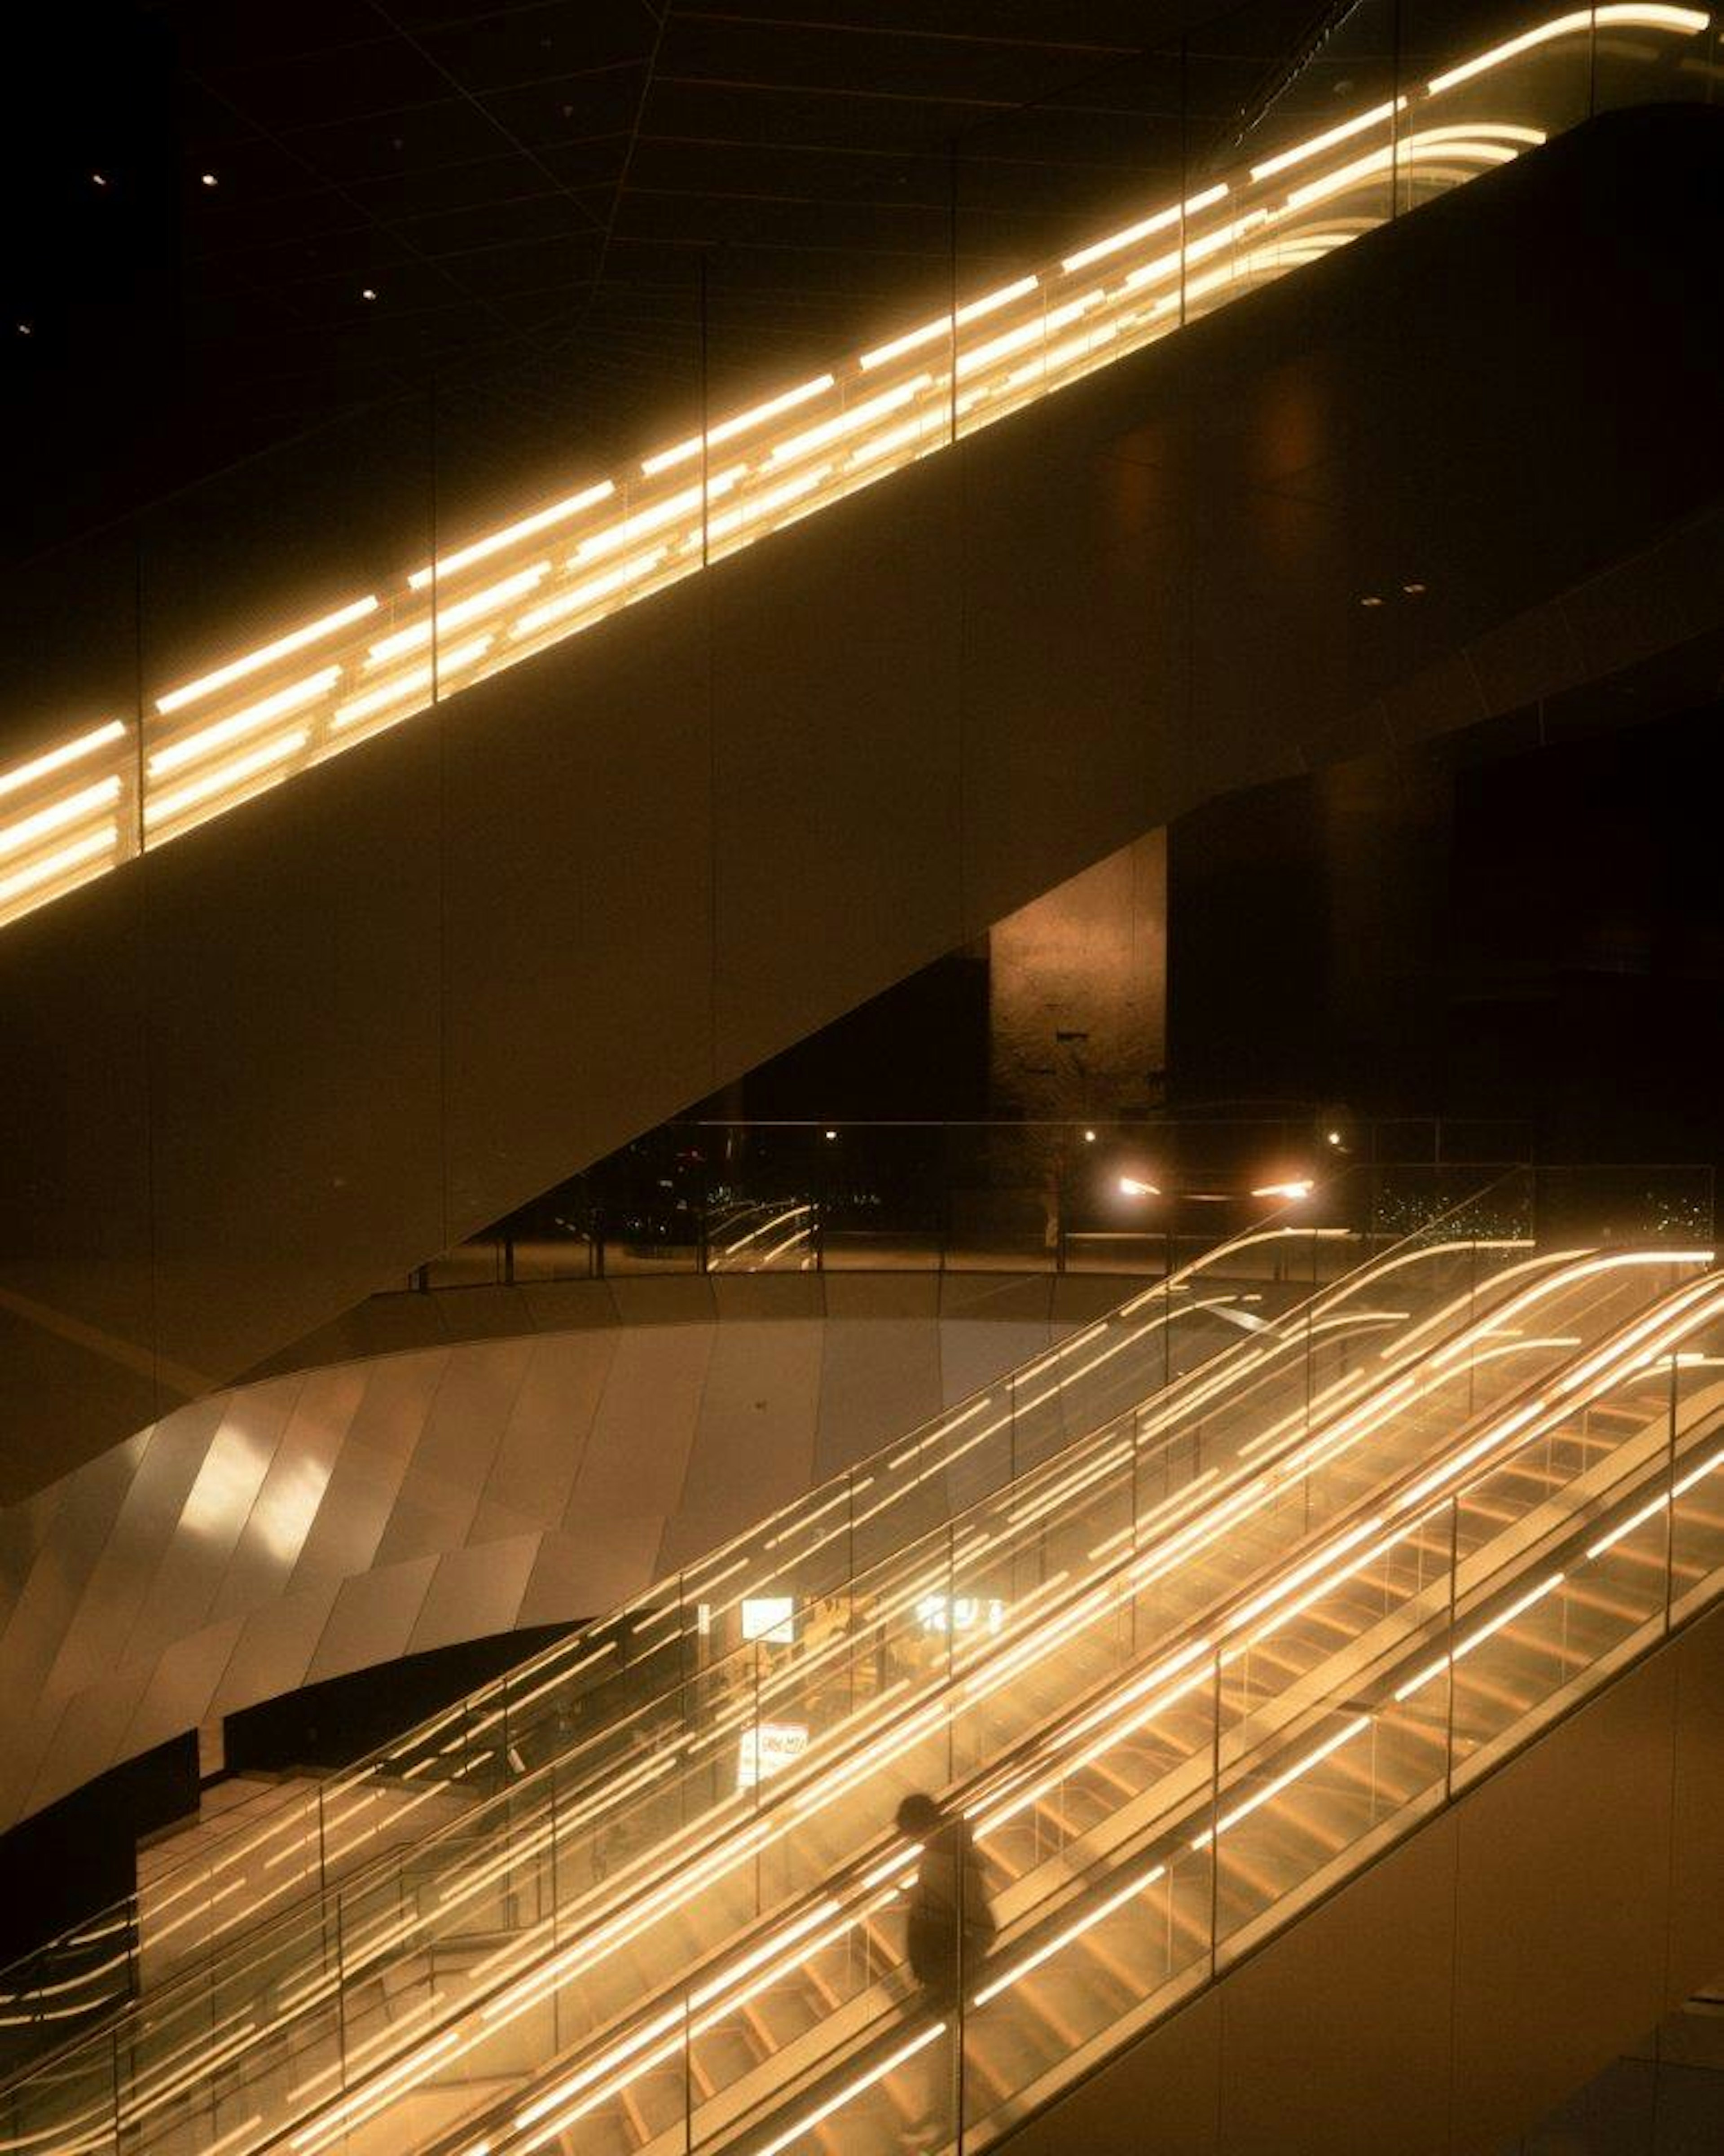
[(164, 808), (1300, 150), (941, 326), (1162, 221), (236, 669), (75, 855), (293, 698), (56, 759), (481, 549), (1645, 18), (728, 430), (15, 837)]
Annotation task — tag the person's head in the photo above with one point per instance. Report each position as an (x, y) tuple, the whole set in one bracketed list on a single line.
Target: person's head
[(918, 1815)]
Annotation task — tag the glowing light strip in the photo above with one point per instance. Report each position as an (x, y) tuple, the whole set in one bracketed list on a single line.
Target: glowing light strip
[(1018, 1970), (15, 837), (848, 422), (1145, 227), (1651, 1512), (294, 698), (941, 326), (22, 775), (728, 430), (878, 2072), (1648, 18), (1283, 1781), (164, 808), (1300, 150), (416, 681), (253, 661), (589, 593), (1435, 1670), (493, 597), (481, 549)]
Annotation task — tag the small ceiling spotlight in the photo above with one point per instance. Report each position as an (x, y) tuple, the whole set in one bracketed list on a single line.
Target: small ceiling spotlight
[(208, 180), (1132, 1186), (1414, 590), (367, 292), (1334, 1137), (1088, 1137), (24, 329), (99, 179), (830, 1135), (1371, 599)]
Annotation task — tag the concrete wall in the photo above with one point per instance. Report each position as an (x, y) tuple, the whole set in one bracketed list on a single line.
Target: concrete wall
[(1450, 1996), (275, 1064), (329, 1518)]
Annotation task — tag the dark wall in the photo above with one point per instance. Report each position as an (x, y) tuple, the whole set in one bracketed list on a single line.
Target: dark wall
[(278, 1063), (1477, 927), (81, 1855)]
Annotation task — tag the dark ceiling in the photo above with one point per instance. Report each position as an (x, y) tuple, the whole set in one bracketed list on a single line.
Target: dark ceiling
[(307, 206)]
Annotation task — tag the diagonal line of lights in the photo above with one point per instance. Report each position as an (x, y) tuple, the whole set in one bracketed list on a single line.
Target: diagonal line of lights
[(871, 415)]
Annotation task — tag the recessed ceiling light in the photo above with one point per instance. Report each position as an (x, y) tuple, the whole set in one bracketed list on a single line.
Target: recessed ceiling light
[(367, 294), (208, 179), (1412, 590), (1371, 599), (99, 179), (24, 330)]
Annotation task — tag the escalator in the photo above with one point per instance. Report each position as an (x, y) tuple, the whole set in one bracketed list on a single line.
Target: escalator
[(543, 1911), (1179, 1811), (1041, 609)]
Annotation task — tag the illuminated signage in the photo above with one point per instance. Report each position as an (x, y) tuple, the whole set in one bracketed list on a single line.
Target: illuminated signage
[(767, 1749)]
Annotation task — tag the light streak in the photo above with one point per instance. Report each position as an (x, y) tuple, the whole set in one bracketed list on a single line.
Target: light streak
[(78, 854), (1637, 16), (22, 775), (560, 512), (1297, 1771), (942, 325), (877, 2073), (279, 705), (165, 808), (728, 430), (1162, 221), (1311, 148), (418, 681), (491, 600), (1018, 1970), (237, 670)]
